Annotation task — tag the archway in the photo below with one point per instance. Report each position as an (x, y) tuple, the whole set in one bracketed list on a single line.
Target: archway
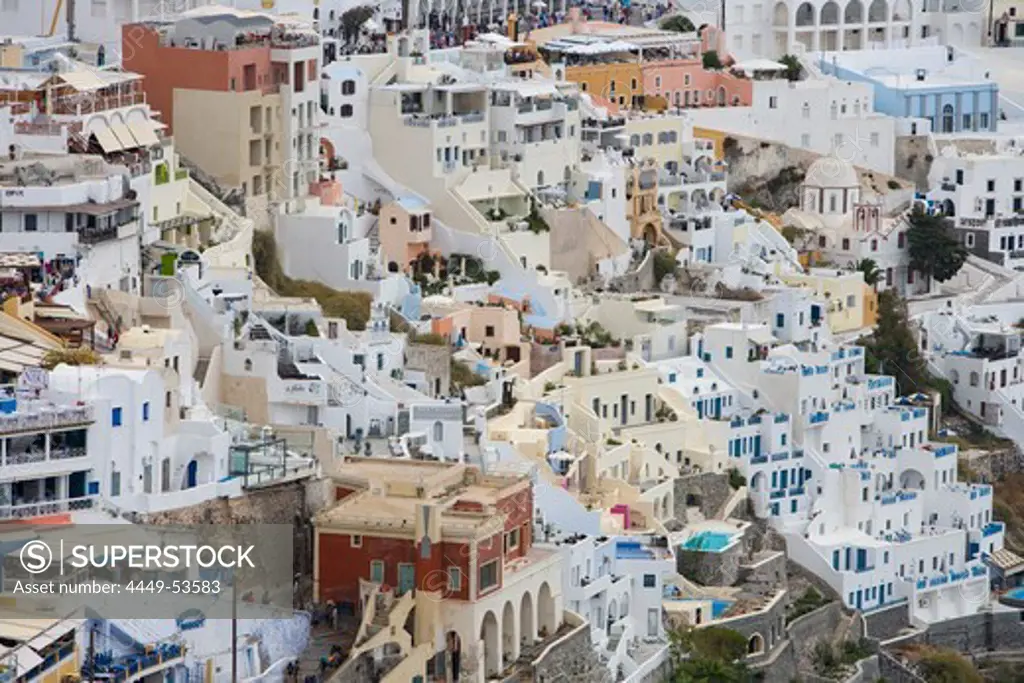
[(192, 474), (805, 15), (878, 11), (489, 634), (901, 10), (509, 642), (854, 12), (780, 15), (453, 646), (948, 119), (757, 483), (546, 611), (755, 645), (721, 96), (699, 199), (613, 614), (948, 207), (912, 480), (829, 14), (527, 627), (650, 234)]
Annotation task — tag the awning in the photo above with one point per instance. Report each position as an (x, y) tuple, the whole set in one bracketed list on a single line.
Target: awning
[(55, 632), (108, 141), (143, 133), (123, 134)]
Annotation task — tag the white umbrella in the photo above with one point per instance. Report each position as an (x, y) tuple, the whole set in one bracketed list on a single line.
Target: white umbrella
[(540, 4)]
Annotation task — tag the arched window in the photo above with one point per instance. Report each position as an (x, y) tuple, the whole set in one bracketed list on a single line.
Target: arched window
[(648, 139), (947, 118), (346, 111), (248, 365), (438, 431), (974, 379)]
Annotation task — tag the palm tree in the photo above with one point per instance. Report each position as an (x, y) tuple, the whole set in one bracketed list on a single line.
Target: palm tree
[(793, 67), (872, 273)]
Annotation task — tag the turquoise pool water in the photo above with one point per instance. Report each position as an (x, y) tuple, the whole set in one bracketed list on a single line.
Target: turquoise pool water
[(708, 541), (718, 607), (1016, 593)]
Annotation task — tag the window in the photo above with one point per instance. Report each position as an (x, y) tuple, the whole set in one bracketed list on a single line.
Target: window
[(348, 87), (773, 102), (167, 400), (31, 222), (969, 239), (728, 352), (846, 244), (650, 580), (438, 431), (991, 185), (805, 140), (489, 331), (356, 541), (115, 417), (488, 576), (875, 139), (377, 571), (454, 579), (632, 84), (983, 120), (145, 411), (346, 111), (512, 540)]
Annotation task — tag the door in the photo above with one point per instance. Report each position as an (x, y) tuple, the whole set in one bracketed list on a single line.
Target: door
[(718, 407), (653, 617), (624, 408), (406, 578), (193, 472)]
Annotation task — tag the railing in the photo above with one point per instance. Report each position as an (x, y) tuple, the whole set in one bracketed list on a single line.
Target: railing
[(47, 507), (67, 453), (759, 459), (78, 105), (25, 457), (472, 118), (818, 417), (775, 495), (44, 420), (781, 455), (992, 528)]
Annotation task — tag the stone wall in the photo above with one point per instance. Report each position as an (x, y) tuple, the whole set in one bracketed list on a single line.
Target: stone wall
[(770, 624), (639, 280), (711, 568), (573, 660), (991, 466), (913, 160), (798, 574), (886, 623), (808, 630), (293, 503), (780, 667), (435, 362), (764, 573), (708, 491), (543, 356), (976, 632), (893, 671)]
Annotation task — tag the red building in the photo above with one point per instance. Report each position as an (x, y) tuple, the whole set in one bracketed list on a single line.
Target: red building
[(421, 525)]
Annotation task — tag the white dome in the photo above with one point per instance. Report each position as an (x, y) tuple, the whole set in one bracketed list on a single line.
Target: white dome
[(829, 172)]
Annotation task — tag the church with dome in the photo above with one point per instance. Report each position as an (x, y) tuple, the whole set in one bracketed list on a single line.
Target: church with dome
[(840, 222)]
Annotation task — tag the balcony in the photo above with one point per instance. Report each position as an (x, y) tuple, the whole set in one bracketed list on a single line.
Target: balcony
[(38, 419), (819, 417), (776, 495), (759, 459), (781, 455), (47, 507), (78, 105), (134, 667), (993, 528)]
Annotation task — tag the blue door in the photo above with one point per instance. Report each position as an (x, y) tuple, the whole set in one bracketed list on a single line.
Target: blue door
[(862, 558), (406, 578), (193, 471), (859, 595), (718, 408)]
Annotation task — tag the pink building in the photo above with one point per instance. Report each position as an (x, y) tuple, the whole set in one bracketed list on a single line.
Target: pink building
[(686, 83)]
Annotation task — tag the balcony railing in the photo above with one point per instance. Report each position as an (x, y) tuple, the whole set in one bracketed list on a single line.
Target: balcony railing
[(45, 419), (77, 105), (67, 453), (46, 507), (992, 528), (25, 457)]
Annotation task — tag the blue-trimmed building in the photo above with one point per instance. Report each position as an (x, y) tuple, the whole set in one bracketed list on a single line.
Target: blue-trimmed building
[(949, 88)]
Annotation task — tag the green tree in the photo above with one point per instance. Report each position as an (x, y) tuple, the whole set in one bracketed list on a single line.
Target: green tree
[(710, 60), (872, 273), (700, 670), (946, 666), (678, 23), (794, 70), (664, 264), (933, 247)]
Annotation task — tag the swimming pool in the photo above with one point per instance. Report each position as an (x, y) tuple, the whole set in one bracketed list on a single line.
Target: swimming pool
[(718, 607), (1013, 597), (708, 541)]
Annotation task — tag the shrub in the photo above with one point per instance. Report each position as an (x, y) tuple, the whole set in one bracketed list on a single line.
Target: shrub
[(79, 356), (736, 480)]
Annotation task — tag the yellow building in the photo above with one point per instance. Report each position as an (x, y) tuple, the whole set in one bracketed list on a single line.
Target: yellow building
[(870, 306), (621, 83), (658, 137), (844, 292), (642, 202), (43, 651)]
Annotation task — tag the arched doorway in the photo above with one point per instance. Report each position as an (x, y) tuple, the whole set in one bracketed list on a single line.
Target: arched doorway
[(613, 614), (546, 611), (912, 480), (453, 646), (489, 634), (755, 645), (509, 642), (527, 625), (948, 208), (947, 118), (192, 474)]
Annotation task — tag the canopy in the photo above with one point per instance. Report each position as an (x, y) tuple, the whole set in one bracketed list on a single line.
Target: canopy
[(143, 133)]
